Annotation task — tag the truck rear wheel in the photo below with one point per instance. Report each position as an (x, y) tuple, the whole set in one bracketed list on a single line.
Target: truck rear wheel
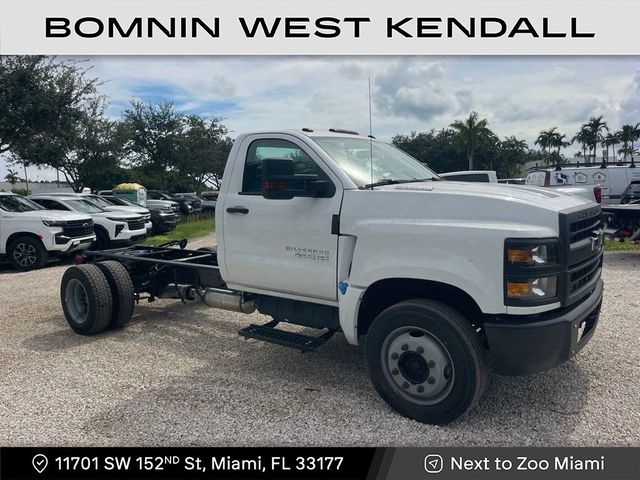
[(122, 292), (27, 253), (426, 361), (86, 299)]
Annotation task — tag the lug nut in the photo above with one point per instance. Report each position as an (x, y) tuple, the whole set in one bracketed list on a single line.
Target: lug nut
[(447, 372), (405, 385), (394, 371), (431, 364), (404, 347), (420, 389), (420, 350), (431, 381), (394, 356)]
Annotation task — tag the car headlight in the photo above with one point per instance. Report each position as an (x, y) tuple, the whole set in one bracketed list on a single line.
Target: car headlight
[(532, 289), (53, 223), (532, 255), (532, 269), (113, 219)]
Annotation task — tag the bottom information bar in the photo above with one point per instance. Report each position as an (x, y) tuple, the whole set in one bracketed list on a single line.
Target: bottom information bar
[(320, 463)]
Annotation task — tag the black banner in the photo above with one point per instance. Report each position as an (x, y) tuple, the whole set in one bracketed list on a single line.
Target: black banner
[(320, 463)]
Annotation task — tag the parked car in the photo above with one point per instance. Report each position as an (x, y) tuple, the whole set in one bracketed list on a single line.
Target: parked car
[(631, 193), (113, 229), (483, 176), (163, 218), (175, 206), (198, 203), (439, 282), (29, 234), (590, 192), (110, 207), (185, 205), (613, 180)]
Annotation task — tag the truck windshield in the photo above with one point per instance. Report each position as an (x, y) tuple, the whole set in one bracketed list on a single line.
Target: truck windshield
[(390, 165), (15, 203), (84, 206)]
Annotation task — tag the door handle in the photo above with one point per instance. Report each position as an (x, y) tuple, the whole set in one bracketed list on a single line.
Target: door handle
[(242, 210)]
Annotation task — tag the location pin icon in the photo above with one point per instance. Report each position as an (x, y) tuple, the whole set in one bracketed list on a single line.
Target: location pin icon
[(40, 462)]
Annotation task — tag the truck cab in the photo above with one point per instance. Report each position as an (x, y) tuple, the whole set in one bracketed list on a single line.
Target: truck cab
[(440, 281)]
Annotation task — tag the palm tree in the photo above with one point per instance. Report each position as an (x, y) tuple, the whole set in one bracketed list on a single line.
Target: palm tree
[(628, 135), (546, 140), (558, 141), (583, 137), (610, 140), (12, 178), (470, 133), (596, 126)]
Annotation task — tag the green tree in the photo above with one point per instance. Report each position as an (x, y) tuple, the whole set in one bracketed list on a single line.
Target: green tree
[(610, 140), (203, 151), (470, 133), (584, 138), (12, 177), (596, 126), (548, 139), (151, 135), (514, 153)]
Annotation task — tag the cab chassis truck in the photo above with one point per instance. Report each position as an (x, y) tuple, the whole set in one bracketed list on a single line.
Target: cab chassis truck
[(440, 281)]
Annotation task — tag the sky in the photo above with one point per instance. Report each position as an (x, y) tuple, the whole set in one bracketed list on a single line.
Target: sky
[(518, 95)]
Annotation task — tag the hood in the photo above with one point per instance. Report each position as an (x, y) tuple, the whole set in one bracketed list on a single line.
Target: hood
[(541, 197), (51, 215), (118, 215), (135, 210)]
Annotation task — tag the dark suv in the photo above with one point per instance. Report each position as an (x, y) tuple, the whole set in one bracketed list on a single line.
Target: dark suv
[(631, 193), (186, 206)]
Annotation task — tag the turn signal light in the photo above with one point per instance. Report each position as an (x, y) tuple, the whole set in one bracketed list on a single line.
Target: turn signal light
[(518, 289), (519, 255)]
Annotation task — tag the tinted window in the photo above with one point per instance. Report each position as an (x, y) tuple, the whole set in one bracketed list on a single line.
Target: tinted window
[(51, 204), (274, 148), (15, 203), (472, 177)]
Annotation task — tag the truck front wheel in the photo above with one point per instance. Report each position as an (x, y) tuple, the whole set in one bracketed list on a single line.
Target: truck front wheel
[(426, 361)]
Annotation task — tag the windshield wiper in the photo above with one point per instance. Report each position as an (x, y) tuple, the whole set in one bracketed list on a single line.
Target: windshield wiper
[(389, 181)]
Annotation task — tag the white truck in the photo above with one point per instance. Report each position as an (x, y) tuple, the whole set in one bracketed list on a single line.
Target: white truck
[(29, 235), (440, 281)]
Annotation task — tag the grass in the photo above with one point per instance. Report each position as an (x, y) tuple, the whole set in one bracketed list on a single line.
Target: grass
[(616, 246), (188, 229)]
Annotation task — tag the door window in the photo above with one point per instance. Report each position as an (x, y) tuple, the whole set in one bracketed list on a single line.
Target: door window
[(274, 148)]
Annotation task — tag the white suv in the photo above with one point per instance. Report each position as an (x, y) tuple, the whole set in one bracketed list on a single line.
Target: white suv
[(110, 207), (29, 235), (113, 229)]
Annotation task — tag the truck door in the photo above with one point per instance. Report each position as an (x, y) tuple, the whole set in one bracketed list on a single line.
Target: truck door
[(281, 246)]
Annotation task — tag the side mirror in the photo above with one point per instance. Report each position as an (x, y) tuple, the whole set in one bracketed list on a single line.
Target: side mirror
[(280, 183)]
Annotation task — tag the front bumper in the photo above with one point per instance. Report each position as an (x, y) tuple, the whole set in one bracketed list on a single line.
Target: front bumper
[(125, 242), (63, 244), (521, 346)]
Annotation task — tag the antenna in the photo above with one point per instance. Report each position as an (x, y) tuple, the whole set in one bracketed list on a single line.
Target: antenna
[(370, 135)]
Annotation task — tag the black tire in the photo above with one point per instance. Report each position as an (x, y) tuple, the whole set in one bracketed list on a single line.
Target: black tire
[(102, 240), (450, 334), (122, 292), (86, 299), (27, 253)]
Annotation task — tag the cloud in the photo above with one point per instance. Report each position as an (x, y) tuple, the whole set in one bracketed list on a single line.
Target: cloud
[(414, 88), (630, 107)]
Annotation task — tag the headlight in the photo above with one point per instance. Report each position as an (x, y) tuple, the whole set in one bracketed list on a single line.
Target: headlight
[(117, 219), (532, 256), (53, 223), (532, 289)]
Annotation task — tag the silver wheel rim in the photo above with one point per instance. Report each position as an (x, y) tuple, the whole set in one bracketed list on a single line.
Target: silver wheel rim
[(75, 297), (25, 254), (417, 365)]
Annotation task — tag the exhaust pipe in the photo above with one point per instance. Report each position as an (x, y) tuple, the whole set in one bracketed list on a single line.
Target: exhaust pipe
[(228, 300)]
